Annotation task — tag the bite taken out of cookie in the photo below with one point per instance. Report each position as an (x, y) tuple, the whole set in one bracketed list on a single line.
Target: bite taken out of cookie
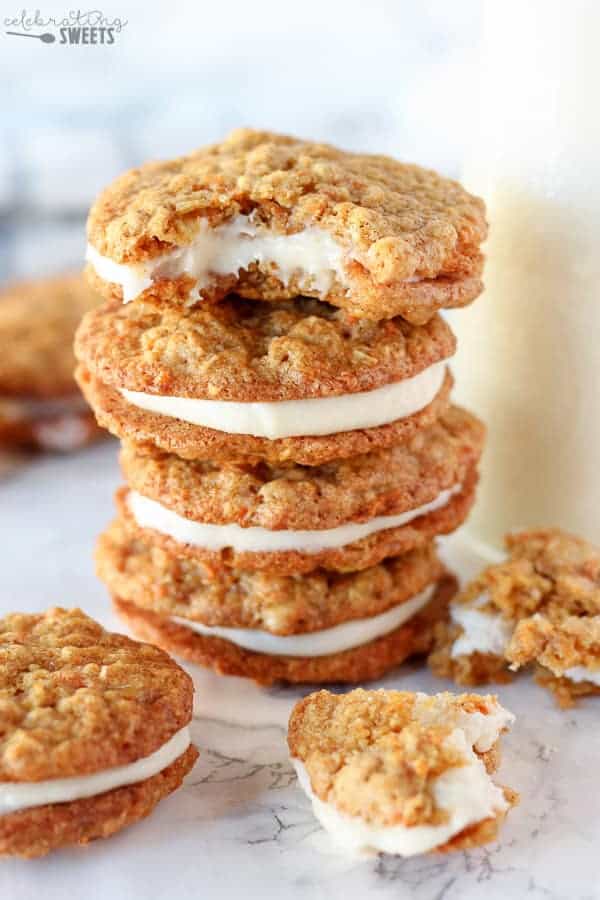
[(400, 772), (270, 217)]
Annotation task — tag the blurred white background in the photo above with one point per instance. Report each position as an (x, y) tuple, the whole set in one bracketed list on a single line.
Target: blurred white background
[(392, 76)]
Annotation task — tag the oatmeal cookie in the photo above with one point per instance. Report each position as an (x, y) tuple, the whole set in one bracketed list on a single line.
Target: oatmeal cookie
[(542, 606), (365, 662), (271, 216), (323, 626), (40, 405), (94, 730), (346, 514), (385, 770), (193, 442)]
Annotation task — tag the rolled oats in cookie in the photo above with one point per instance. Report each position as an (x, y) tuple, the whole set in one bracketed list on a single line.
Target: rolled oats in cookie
[(293, 371), (267, 626), (94, 730), (40, 403), (540, 606), (344, 515), (399, 772), (193, 442), (271, 216)]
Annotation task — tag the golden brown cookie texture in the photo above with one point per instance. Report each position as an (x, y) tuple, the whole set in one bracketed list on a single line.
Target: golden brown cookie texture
[(351, 557), (188, 441), (547, 594), (76, 700), (151, 586), (409, 238), (375, 756), (34, 832), (38, 320), (288, 496), (364, 663), (40, 404), (140, 571), (248, 351), (276, 497)]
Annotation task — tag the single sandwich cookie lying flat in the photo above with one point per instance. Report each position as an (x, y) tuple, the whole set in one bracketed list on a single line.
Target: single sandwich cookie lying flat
[(40, 404), (271, 217), (542, 606), (94, 731), (403, 773), (297, 379), (320, 627), (345, 515)]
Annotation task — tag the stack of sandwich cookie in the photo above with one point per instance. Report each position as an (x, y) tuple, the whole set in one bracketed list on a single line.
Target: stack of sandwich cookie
[(94, 731), (540, 606), (290, 449), (402, 773), (40, 404)]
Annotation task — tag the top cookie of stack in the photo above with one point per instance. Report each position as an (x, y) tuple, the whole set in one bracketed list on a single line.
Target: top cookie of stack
[(272, 217)]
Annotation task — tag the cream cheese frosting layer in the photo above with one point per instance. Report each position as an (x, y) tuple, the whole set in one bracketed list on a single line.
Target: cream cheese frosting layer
[(317, 643), (151, 514), (466, 793), (312, 255), (582, 673), (483, 632), (297, 418), (23, 795)]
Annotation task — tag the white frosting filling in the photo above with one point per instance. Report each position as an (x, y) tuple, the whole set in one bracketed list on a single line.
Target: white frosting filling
[(465, 792), (289, 418), (22, 795), (151, 514), (483, 632), (311, 254), (317, 643), (582, 673), (480, 729)]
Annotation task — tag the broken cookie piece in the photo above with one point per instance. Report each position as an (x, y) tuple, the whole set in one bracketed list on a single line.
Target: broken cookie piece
[(541, 606), (400, 772)]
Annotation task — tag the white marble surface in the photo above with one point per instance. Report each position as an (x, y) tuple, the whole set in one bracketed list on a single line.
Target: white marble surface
[(240, 827)]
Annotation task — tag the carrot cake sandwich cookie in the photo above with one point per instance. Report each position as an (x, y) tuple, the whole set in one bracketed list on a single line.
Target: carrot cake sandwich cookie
[(344, 515), (94, 731), (319, 627), (40, 403), (399, 772), (541, 606), (289, 380), (270, 216)]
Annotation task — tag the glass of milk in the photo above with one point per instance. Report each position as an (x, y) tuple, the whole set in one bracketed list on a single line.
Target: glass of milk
[(528, 356)]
